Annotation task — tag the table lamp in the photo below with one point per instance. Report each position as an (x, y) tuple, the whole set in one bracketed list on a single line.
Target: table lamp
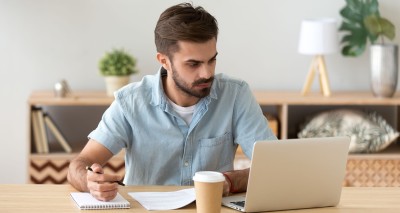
[(318, 37)]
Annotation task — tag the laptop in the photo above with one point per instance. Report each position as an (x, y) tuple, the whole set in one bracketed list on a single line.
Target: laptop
[(294, 174)]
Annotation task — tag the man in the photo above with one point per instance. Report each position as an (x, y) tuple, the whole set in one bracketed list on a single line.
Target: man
[(182, 120)]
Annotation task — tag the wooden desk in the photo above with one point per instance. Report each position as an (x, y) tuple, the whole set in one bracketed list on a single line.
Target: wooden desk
[(55, 198)]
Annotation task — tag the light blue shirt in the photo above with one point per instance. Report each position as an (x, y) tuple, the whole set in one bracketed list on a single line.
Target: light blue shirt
[(161, 149)]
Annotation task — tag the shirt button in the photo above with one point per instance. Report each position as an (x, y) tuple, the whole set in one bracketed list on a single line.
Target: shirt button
[(186, 163)]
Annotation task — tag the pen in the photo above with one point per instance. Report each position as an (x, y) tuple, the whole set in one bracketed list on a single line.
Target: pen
[(90, 169)]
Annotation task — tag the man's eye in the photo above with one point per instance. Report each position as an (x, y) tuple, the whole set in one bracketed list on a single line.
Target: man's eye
[(194, 64)]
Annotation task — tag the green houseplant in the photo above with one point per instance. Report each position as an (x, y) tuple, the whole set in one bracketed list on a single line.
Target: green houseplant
[(116, 66), (362, 22)]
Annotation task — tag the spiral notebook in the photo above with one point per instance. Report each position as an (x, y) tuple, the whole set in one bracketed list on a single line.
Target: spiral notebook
[(85, 200)]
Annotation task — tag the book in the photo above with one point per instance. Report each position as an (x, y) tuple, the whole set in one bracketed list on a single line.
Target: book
[(42, 130), (57, 133), (85, 200), (36, 132)]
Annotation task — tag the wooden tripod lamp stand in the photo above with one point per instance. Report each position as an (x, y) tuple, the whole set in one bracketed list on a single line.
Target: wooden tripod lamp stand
[(318, 37), (317, 67)]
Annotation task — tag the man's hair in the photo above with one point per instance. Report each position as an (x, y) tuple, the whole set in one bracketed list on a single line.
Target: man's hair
[(183, 22)]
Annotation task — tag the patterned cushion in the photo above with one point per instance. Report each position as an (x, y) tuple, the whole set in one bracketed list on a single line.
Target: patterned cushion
[(369, 132)]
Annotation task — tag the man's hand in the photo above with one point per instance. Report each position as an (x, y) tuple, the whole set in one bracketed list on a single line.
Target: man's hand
[(102, 186), (225, 191), (235, 181)]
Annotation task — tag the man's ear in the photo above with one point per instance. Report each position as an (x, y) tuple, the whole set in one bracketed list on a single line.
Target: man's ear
[(164, 61)]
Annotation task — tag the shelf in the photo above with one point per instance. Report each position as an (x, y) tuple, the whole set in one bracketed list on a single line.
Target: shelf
[(93, 98), (391, 152), (77, 98), (337, 98)]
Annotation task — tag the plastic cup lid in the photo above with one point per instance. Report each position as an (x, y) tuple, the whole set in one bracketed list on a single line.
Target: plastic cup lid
[(208, 176)]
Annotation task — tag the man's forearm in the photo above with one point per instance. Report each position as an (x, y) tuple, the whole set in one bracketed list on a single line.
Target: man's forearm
[(77, 173), (238, 180)]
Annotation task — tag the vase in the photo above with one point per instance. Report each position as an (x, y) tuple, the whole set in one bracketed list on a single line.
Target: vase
[(113, 83), (384, 69)]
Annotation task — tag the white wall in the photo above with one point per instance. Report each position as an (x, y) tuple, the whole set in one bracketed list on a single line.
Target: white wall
[(43, 41)]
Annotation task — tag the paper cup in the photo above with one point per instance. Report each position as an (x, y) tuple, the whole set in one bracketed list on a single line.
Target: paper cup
[(208, 186)]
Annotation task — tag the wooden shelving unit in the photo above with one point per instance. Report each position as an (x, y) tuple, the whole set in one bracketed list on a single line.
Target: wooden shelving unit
[(284, 100), (290, 108), (52, 167)]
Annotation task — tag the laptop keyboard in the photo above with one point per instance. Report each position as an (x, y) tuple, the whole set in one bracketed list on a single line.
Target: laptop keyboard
[(239, 203)]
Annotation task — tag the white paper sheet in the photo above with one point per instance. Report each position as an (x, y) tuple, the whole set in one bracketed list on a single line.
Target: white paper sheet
[(164, 200)]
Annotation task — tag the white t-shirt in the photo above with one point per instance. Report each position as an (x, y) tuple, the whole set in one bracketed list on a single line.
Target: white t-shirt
[(186, 113)]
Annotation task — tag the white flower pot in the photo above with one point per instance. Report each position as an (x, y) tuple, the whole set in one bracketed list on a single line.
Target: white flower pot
[(114, 83)]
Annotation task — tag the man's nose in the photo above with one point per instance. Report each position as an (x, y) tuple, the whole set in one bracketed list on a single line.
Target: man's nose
[(206, 72)]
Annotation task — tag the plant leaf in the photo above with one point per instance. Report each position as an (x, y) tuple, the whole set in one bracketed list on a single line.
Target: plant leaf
[(377, 26), (351, 15), (371, 7), (388, 29), (346, 26), (372, 24), (351, 50)]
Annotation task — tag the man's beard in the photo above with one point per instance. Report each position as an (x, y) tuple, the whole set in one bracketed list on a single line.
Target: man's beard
[(184, 87)]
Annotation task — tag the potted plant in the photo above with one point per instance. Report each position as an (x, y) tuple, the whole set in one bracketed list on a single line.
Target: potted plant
[(116, 66), (362, 22)]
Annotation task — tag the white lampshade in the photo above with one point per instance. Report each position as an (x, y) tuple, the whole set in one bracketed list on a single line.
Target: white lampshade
[(318, 36)]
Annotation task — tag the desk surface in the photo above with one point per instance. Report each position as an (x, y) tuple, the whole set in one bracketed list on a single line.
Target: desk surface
[(55, 198)]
